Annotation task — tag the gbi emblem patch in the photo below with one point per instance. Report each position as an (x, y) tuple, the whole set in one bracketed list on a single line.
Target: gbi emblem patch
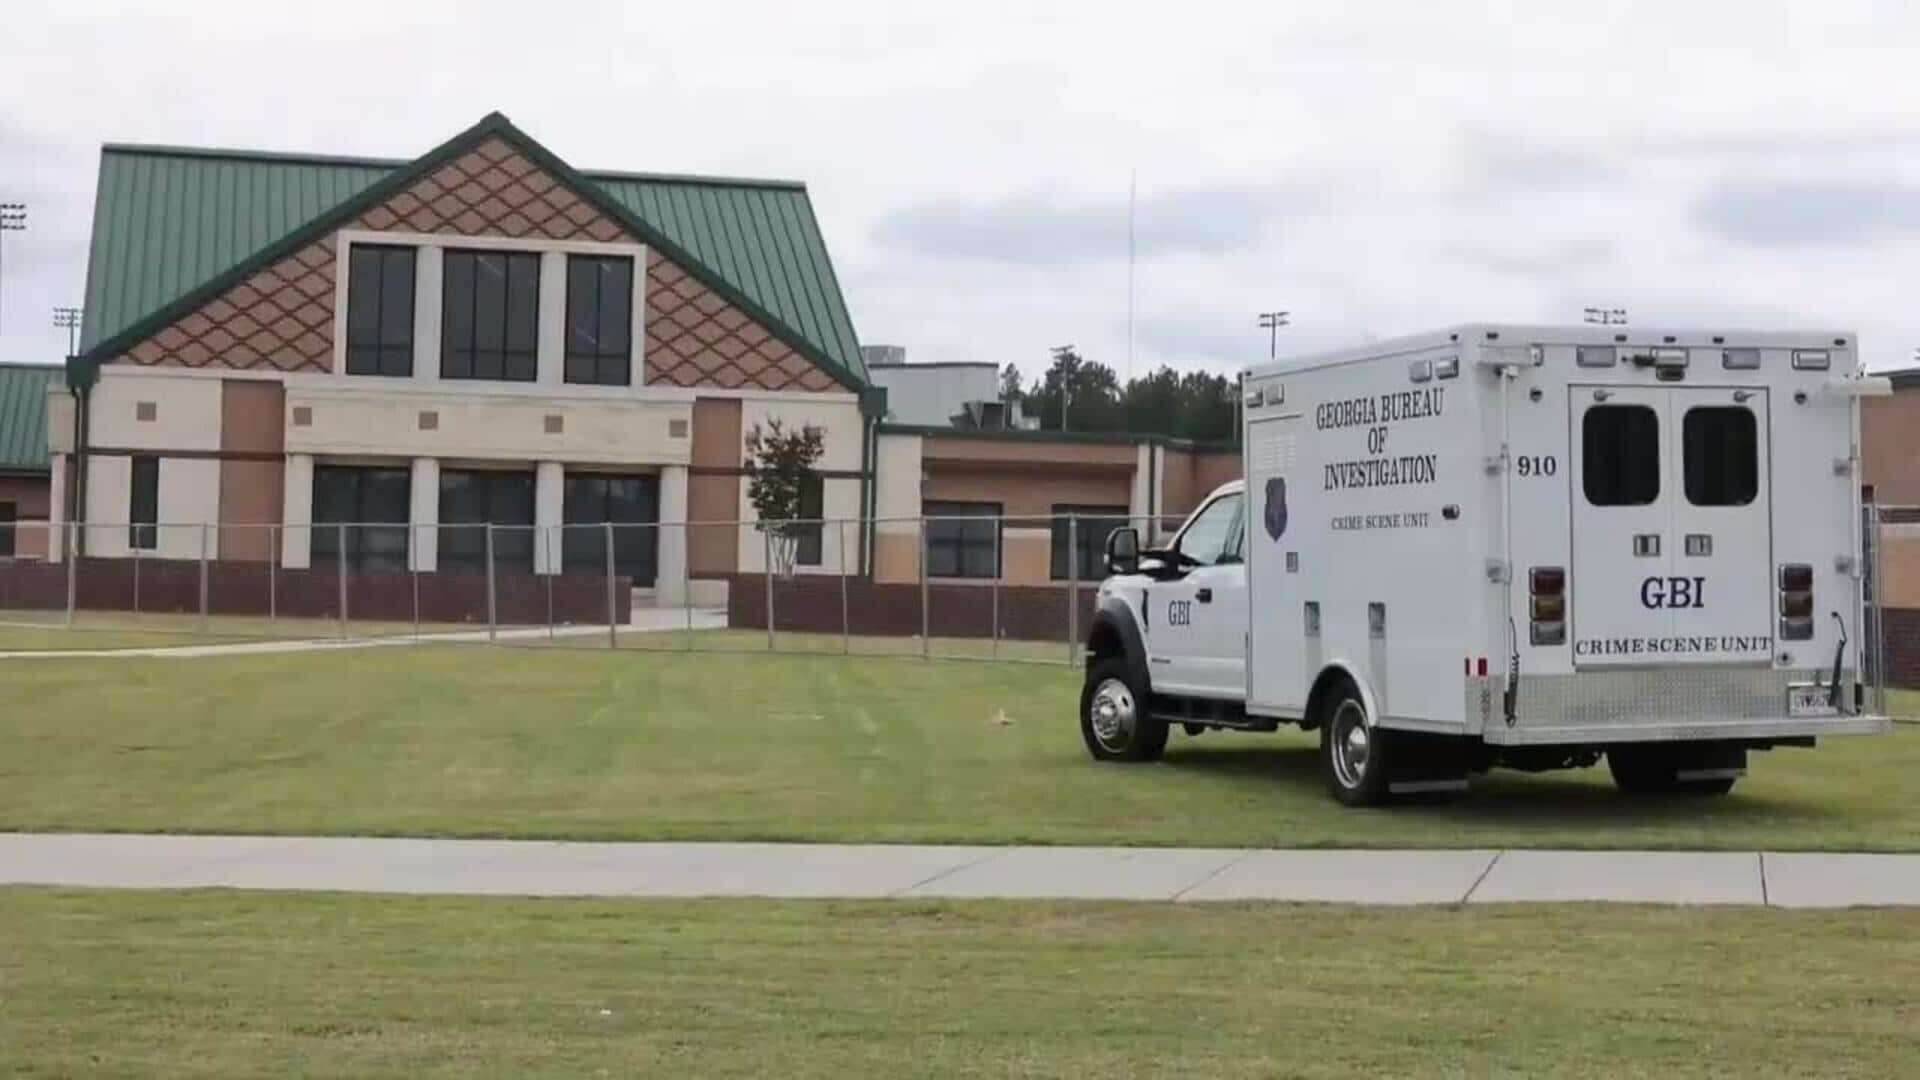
[(1276, 512)]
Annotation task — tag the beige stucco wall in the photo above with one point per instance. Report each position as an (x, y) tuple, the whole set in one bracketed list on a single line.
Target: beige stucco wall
[(359, 416), (898, 464), (838, 418)]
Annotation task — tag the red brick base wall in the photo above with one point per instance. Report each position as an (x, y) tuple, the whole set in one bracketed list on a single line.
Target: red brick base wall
[(1903, 647), (244, 588), (811, 604)]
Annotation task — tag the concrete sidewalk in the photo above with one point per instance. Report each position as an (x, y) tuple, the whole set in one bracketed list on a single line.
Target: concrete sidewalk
[(873, 871), (644, 621)]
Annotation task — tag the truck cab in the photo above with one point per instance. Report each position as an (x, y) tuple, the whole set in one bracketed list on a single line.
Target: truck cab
[(1171, 622)]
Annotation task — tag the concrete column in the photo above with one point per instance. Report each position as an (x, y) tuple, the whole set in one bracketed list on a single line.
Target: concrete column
[(671, 564), (423, 542), (296, 540), (57, 510), (429, 293), (552, 341), (1139, 496), (549, 502)]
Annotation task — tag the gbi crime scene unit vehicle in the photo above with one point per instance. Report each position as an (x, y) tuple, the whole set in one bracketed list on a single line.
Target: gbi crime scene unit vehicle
[(1513, 546)]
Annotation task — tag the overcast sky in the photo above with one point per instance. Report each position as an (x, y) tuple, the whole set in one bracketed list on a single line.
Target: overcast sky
[(1374, 168)]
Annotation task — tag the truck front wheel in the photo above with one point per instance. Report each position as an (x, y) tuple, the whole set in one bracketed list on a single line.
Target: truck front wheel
[(1354, 754), (1114, 720)]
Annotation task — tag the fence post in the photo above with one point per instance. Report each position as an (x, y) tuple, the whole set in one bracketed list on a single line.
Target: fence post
[(999, 568), (686, 578), (926, 636), (1073, 585), (840, 546), (73, 560), (1879, 618), (551, 565), (273, 573), (137, 560), (340, 573), (413, 579), (767, 572), (613, 616), (205, 529), (492, 609)]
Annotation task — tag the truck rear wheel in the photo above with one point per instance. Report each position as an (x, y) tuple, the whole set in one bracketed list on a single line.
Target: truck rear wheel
[(1114, 721), (1660, 770), (1354, 754)]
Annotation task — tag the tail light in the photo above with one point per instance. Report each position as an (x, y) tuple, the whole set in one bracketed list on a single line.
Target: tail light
[(1796, 602), (1547, 588)]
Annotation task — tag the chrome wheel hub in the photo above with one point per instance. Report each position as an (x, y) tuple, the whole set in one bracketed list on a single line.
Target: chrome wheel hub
[(1112, 714), (1352, 744)]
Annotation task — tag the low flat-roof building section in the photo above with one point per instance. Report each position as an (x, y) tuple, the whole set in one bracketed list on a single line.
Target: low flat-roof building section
[(277, 346), (1028, 507), (26, 484)]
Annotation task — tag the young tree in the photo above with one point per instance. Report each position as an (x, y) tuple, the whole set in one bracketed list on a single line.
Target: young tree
[(779, 468), (1010, 390)]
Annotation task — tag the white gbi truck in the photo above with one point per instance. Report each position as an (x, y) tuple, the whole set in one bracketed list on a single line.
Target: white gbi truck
[(1515, 546)]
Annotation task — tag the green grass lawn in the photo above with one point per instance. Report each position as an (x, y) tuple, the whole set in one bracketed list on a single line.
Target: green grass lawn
[(473, 741), (228, 984)]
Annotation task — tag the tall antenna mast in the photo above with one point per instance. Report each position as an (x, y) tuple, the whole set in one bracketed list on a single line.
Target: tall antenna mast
[(1133, 184)]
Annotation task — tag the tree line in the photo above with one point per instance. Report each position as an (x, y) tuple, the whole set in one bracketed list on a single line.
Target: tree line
[(1077, 394)]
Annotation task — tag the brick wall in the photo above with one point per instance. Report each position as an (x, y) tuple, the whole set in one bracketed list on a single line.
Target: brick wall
[(240, 588), (811, 604)]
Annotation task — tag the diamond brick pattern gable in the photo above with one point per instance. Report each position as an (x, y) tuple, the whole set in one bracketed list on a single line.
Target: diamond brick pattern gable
[(282, 318), (696, 338)]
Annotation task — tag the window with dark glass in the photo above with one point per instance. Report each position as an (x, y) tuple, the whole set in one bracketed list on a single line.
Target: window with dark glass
[(1211, 537), (1620, 455), (813, 503), (599, 320), (360, 516), (628, 503), (471, 499), (490, 316), (1087, 542), (963, 539), (1721, 444), (8, 515), (379, 310), (143, 515)]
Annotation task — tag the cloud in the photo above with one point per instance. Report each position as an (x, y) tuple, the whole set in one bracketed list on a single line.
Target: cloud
[(1818, 214), (1058, 229)]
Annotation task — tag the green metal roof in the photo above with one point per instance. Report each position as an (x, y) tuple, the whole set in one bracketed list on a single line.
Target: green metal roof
[(23, 416), (168, 222)]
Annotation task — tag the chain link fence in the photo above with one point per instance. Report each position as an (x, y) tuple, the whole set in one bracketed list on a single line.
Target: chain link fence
[(967, 587)]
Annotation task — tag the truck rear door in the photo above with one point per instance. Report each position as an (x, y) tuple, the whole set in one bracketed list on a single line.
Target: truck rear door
[(1671, 527)]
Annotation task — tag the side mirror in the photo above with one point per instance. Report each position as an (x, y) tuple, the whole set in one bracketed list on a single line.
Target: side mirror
[(1123, 550)]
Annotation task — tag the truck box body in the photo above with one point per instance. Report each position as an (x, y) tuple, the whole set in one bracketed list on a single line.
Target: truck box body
[(1564, 536)]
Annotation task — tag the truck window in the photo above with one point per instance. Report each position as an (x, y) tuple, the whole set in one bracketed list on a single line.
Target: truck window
[(1211, 533), (1620, 459), (1722, 449)]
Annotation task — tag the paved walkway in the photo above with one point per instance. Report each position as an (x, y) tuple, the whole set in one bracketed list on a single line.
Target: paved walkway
[(867, 871), (643, 621)]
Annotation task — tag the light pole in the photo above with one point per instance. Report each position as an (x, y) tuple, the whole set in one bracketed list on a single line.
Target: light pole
[(68, 319), (13, 218), (1061, 352), (1272, 321), (1606, 316)]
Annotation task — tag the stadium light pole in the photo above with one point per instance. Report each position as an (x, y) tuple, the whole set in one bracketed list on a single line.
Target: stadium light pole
[(68, 319), (1066, 384), (1606, 316), (13, 218), (1271, 322)]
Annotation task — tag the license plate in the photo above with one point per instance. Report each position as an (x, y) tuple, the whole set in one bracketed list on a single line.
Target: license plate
[(1809, 699)]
